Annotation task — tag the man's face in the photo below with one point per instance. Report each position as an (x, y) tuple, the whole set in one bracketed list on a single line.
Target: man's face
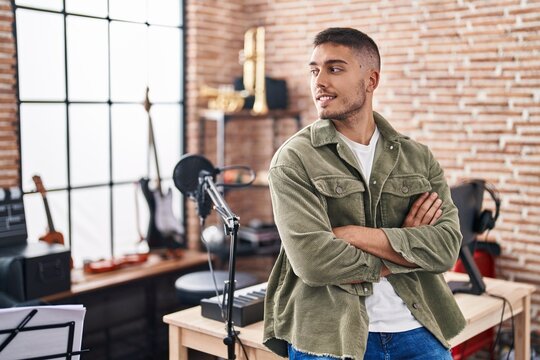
[(338, 81)]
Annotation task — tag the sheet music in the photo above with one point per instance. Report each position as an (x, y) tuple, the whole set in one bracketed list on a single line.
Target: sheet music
[(28, 344)]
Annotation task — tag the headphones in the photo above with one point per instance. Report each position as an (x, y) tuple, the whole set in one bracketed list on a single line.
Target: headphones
[(486, 219)]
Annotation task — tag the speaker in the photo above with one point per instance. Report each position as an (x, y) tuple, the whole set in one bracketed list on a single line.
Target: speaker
[(35, 270), (277, 96)]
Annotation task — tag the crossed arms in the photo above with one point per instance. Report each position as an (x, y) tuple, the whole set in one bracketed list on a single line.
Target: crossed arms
[(426, 210), (320, 255)]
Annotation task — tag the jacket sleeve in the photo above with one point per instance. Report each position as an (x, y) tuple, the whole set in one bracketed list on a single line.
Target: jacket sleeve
[(434, 248), (317, 257)]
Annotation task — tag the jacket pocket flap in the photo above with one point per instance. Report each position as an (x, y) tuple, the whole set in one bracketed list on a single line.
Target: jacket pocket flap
[(338, 187), (406, 186)]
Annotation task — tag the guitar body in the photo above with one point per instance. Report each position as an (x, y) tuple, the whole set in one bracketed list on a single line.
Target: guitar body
[(164, 230), (166, 222), (53, 237)]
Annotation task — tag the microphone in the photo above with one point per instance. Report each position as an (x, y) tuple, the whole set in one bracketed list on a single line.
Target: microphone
[(189, 177), (204, 202), (195, 177)]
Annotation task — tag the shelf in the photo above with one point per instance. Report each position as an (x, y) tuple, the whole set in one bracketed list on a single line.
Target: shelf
[(217, 115), (222, 118)]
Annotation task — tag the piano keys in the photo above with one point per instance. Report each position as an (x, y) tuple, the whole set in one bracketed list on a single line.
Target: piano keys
[(248, 306)]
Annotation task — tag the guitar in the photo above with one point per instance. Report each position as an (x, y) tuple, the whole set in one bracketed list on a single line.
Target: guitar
[(164, 230), (52, 236)]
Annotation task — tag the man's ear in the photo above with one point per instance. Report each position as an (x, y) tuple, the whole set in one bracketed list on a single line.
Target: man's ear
[(373, 80)]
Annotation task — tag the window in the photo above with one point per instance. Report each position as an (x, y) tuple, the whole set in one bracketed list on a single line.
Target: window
[(82, 76)]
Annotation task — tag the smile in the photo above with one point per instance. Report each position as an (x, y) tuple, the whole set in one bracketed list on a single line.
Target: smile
[(324, 99)]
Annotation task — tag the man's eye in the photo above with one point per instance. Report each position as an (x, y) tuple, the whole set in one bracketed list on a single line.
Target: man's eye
[(314, 72), (335, 69)]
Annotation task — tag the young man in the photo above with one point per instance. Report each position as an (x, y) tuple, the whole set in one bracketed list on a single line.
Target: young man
[(367, 224)]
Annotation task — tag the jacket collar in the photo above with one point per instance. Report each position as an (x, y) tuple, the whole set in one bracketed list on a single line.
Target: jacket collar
[(323, 131)]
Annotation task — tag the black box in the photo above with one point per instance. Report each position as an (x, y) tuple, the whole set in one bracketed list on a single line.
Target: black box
[(46, 268), (277, 96)]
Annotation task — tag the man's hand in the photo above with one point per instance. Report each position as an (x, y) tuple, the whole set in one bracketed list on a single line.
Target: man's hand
[(426, 210)]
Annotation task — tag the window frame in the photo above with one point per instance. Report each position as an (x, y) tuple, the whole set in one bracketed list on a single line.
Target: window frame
[(109, 185)]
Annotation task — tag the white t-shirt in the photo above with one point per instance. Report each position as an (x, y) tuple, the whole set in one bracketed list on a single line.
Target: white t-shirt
[(386, 311)]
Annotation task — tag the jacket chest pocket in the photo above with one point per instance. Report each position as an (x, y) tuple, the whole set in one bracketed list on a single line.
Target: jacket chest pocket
[(398, 195), (344, 197)]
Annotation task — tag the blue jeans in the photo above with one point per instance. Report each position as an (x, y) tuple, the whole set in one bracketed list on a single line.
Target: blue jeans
[(416, 344)]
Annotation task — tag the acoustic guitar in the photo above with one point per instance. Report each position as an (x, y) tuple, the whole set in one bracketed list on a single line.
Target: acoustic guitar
[(52, 236), (164, 230)]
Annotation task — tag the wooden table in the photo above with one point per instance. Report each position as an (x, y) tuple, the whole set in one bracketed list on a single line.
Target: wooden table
[(188, 329)]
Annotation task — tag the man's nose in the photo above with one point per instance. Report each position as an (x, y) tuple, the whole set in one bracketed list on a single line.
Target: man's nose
[(321, 80)]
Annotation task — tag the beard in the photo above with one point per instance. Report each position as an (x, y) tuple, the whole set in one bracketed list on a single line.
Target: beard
[(349, 108)]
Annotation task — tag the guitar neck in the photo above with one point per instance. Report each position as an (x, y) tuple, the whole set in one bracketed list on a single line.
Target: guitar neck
[(48, 213), (154, 147), (41, 189)]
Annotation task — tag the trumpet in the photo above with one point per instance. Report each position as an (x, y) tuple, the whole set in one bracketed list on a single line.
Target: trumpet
[(253, 59), (224, 98)]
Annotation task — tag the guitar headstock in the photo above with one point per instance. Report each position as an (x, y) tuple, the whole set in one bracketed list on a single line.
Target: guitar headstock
[(39, 184), (147, 103)]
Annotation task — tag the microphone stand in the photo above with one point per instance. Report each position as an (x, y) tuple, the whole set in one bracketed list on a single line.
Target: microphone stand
[(231, 226)]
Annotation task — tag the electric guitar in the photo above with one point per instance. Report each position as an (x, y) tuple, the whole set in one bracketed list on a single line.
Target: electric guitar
[(164, 230), (52, 236)]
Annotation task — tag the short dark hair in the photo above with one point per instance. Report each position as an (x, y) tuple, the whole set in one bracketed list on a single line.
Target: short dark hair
[(352, 38)]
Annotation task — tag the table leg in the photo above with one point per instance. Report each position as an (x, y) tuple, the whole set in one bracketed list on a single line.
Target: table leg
[(522, 331), (176, 350)]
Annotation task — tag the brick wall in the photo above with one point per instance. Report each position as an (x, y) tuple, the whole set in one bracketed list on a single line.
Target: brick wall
[(9, 152), (461, 76)]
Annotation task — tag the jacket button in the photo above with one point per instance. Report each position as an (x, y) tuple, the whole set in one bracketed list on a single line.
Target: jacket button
[(405, 189), (374, 182), (366, 289), (391, 147), (339, 189), (416, 306)]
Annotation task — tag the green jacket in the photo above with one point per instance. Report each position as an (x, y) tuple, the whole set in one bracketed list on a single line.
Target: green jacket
[(316, 184)]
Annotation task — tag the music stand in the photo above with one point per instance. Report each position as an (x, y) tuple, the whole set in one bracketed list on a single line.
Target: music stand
[(22, 327)]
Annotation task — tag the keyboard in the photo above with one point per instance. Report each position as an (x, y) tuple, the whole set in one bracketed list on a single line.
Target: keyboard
[(248, 306)]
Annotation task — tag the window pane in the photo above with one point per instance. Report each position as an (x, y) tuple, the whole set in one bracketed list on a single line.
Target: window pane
[(42, 4), (88, 74), (89, 144), (91, 227), (43, 145), (128, 61), (130, 142), (134, 10), (36, 218), (166, 121), (165, 63), (164, 12), (40, 46), (131, 219), (87, 7)]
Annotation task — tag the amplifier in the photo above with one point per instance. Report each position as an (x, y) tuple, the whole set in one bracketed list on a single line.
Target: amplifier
[(45, 268)]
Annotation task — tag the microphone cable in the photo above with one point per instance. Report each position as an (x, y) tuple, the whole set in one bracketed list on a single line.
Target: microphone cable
[(211, 267)]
